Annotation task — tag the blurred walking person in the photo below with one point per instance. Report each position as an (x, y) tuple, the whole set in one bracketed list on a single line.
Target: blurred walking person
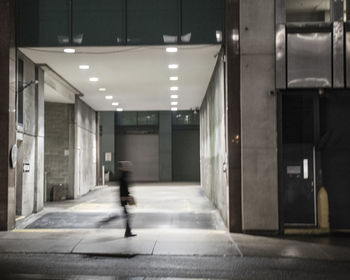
[(125, 197)]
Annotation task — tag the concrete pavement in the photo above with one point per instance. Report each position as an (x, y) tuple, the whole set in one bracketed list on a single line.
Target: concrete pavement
[(160, 228)]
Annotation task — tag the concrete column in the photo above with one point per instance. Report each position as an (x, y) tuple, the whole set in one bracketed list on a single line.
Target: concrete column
[(258, 114), (165, 147), (39, 141), (233, 125), (7, 113)]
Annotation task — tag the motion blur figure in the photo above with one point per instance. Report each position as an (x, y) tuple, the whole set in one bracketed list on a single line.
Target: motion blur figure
[(125, 197)]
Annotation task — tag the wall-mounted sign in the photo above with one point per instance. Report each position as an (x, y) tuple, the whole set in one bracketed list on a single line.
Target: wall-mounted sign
[(26, 167), (108, 156), (13, 157)]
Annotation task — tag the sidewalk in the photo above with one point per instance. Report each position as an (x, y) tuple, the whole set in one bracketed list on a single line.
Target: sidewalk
[(110, 242)]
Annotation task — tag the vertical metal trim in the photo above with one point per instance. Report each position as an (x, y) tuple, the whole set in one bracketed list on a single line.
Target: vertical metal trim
[(280, 10), (281, 63), (280, 162), (337, 10), (338, 54), (347, 57), (314, 184)]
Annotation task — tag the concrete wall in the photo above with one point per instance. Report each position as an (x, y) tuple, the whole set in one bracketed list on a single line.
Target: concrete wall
[(85, 148), (107, 142), (31, 136), (212, 141), (59, 147), (258, 109)]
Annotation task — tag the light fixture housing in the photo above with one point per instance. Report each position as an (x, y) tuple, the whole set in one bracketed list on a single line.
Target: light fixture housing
[(174, 96), (102, 89), (120, 109), (171, 50), (173, 109), (115, 104), (84, 67), (174, 103), (173, 66), (174, 88), (173, 78), (68, 50), (93, 79), (108, 97)]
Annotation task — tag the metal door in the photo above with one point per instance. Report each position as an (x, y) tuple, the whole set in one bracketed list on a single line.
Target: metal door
[(297, 161), (299, 185)]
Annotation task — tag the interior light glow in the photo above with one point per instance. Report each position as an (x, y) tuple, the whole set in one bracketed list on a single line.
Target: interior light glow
[(93, 79), (109, 97), (173, 78), (120, 109), (174, 96), (174, 88), (102, 89), (84, 67), (69, 50), (173, 66), (173, 109), (115, 103), (171, 50), (174, 103)]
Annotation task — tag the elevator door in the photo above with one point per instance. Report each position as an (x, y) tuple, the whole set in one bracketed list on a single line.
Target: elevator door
[(298, 158)]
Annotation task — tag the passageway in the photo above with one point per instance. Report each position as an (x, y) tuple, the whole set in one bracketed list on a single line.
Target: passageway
[(159, 206)]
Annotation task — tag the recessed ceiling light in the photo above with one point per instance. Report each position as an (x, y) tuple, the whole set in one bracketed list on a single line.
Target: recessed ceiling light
[(93, 79), (174, 103), (171, 50), (115, 103), (109, 97), (84, 67), (173, 109), (174, 96), (102, 89), (120, 109), (173, 78), (174, 88), (173, 66), (69, 50)]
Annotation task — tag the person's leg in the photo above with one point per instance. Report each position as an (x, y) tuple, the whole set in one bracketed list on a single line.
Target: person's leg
[(127, 224)]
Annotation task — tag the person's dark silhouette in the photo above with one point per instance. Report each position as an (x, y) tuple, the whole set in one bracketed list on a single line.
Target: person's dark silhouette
[(125, 197)]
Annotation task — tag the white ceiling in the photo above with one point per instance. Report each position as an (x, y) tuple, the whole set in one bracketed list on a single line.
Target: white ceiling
[(136, 77)]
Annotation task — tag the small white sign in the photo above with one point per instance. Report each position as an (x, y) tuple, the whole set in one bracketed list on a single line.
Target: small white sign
[(66, 153), (108, 156), (26, 167)]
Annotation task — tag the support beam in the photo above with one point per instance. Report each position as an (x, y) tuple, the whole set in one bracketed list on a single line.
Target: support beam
[(233, 99), (7, 113)]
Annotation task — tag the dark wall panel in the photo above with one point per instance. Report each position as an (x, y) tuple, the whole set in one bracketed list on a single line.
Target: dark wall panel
[(335, 149), (186, 165)]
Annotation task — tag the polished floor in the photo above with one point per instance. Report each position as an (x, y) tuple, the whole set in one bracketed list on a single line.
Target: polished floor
[(159, 206)]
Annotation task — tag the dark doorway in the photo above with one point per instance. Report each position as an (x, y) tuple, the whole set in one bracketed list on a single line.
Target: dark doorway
[(298, 159)]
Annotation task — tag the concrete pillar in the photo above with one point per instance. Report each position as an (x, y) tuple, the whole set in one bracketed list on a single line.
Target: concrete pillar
[(258, 114), (7, 113), (232, 52), (165, 147)]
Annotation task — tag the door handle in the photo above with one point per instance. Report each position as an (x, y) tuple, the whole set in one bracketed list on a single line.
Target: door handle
[(306, 168)]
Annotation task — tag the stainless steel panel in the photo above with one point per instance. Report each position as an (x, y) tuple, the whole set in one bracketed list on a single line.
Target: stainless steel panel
[(280, 11), (281, 56), (347, 59), (338, 54), (309, 60)]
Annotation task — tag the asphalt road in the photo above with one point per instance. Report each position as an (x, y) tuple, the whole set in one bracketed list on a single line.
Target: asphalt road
[(70, 266)]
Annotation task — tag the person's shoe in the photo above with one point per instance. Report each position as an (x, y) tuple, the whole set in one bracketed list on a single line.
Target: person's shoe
[(129, 234)]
